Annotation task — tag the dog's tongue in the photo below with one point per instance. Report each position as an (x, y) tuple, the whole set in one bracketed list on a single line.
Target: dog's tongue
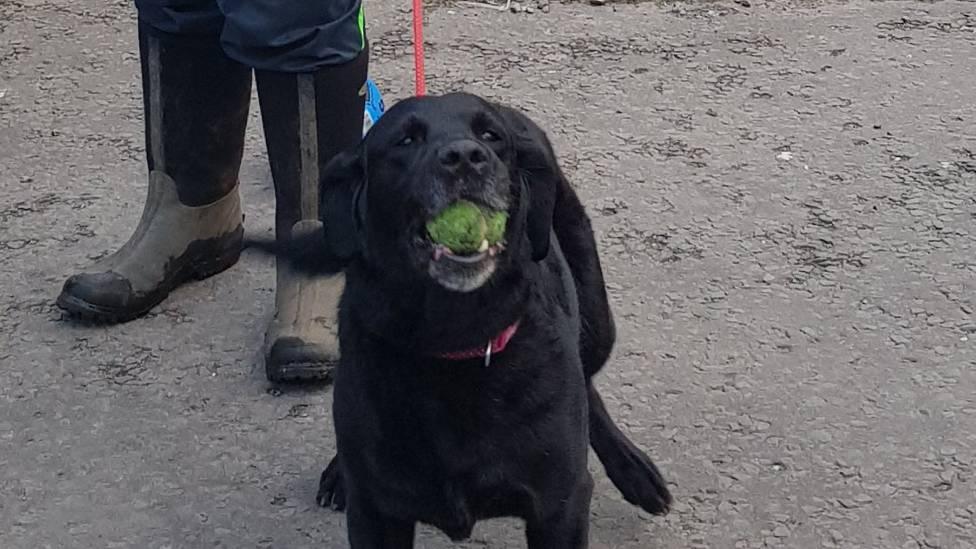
[(441, 251)]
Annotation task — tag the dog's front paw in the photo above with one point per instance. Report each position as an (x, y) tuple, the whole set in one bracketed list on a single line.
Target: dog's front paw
[(331, 493)]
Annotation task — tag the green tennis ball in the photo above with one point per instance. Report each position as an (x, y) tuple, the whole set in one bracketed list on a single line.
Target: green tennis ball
[(496, 227), (465, 228), (460, 227)]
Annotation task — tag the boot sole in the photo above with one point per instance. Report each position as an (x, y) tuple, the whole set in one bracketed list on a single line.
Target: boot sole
[(300, 371), (191, 269)]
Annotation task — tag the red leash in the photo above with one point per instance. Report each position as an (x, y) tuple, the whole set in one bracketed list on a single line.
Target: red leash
[(418, 47)]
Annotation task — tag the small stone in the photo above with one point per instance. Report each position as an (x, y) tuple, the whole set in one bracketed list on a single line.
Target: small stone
[(781, 531), (598, 2)]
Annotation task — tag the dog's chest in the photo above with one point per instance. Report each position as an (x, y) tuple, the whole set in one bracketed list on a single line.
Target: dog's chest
[(459, 471), (458, 442), (454, 502)]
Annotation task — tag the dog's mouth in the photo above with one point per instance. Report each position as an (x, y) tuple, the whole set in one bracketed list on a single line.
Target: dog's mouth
[(463, 272), (443, 253), (464, 242)]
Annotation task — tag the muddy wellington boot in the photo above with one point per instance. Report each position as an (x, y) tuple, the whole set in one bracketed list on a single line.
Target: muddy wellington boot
[(195, 104), (308, 118)]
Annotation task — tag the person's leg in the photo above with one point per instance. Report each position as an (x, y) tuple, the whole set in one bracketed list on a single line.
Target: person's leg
[(195, 103), (311, 61)]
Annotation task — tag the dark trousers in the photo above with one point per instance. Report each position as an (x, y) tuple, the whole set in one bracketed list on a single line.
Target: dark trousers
[(276, 35)]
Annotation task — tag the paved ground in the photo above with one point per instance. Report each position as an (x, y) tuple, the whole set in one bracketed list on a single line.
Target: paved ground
[(784, 195)]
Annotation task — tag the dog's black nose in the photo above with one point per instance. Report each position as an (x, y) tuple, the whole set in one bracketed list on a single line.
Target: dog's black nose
[(462, 155)]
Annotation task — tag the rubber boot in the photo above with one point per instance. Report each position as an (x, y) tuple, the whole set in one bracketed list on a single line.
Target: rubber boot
[(308, 118), (195, 104)]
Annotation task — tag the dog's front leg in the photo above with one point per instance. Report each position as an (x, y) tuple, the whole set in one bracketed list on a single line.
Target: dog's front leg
[(332, 492), (565, 527), (369, 529)]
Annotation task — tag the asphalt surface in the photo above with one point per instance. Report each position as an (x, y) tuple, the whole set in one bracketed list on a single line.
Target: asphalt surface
[(784, 198)]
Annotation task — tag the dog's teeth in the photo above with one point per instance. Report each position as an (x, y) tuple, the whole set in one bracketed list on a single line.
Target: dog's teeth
[(484, 246), (438, 252)]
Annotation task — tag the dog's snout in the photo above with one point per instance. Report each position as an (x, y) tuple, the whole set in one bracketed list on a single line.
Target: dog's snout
[(463, 155)]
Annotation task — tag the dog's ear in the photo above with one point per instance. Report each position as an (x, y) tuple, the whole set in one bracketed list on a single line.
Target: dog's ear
[(535, 163), (342, 203)]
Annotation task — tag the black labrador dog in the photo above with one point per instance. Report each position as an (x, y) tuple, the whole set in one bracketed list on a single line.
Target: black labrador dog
[(464, 389)]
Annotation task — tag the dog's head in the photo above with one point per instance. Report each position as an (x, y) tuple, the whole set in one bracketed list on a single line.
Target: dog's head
[(424, 154)]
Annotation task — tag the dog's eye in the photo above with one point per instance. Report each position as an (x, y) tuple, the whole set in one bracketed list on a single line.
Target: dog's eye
[(489, 135), (406, 141)]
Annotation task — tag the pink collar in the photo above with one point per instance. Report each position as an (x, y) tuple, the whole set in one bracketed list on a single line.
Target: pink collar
[(494, 346)]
